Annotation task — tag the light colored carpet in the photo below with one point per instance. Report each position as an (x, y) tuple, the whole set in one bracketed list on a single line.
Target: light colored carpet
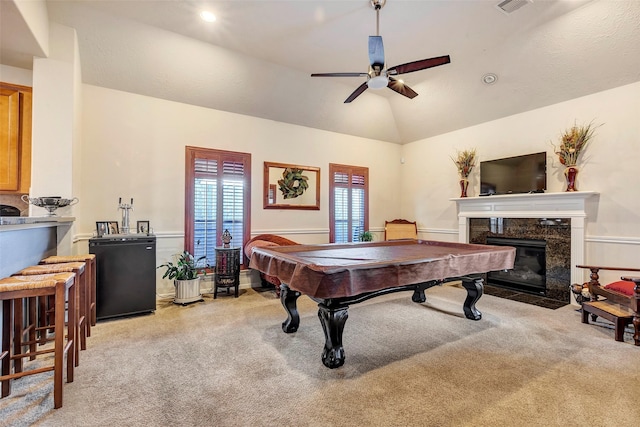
[(226, 362)]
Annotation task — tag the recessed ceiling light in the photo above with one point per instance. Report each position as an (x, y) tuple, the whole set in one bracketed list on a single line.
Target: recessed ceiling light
[(489, 78), (207, 16)]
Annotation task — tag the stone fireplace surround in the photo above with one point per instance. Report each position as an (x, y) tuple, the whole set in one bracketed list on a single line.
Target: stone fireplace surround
[(539, 209), (556, 232)]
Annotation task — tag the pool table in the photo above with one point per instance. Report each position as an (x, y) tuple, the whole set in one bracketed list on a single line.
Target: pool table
[(338, 275)]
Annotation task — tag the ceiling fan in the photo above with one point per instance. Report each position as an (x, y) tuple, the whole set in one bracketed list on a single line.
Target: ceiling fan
[(378, 77)]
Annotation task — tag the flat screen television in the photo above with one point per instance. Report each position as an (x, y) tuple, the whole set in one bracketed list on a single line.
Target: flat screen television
[(519, 174)]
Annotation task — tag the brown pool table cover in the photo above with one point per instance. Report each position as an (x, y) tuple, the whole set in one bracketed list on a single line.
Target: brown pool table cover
[(342, 270)]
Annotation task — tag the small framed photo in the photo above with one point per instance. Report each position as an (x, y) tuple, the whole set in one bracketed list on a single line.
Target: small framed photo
[(142, 227), (102, 228), (113, 227)]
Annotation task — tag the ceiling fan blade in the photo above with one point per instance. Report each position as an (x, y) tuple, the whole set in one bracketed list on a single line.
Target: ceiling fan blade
[(339, 75), (401, 88), (356, 93), (423, 64), (376, 51)]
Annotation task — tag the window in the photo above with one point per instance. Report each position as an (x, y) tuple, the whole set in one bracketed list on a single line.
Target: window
[(218, 188), (348, 202)]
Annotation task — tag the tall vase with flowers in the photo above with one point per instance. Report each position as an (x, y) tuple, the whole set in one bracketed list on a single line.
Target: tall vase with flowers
[(465, 161), (572, 142)]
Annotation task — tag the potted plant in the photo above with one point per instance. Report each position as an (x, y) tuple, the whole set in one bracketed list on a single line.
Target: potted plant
[(366, 236), (184, 272)]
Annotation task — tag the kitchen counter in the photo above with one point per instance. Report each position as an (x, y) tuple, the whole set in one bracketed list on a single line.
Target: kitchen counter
[(22, 222), (25, 240)]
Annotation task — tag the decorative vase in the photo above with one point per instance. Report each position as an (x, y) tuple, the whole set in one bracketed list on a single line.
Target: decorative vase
[(464, 184), (570, 173)]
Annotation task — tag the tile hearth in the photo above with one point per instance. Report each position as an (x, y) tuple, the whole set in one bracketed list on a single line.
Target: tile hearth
[(524, 297)]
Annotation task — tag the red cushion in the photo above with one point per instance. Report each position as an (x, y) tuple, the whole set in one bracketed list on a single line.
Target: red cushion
[(622, 286)]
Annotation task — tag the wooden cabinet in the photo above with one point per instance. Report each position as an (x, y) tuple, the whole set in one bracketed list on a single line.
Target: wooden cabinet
[(15, 138)]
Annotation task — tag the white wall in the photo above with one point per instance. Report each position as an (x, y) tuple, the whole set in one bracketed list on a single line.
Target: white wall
[(18, 76), (134, 147), (609, 166)]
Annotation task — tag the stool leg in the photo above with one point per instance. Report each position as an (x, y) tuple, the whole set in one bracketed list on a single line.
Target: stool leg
[(72, 330), (7, 340), (32, 324), (83, 320), (18, 333), (59, 349), (91, 293), (42, 319)]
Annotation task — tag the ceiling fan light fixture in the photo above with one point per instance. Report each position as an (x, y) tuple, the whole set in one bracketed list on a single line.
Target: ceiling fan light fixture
[(378, 82)]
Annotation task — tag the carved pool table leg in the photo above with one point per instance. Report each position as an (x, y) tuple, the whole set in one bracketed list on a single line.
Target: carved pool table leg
[(475, 288), (288, 299), (418, 295), (332, 320)]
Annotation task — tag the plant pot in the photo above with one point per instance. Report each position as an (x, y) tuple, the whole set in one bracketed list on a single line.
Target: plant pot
[(187, 291)]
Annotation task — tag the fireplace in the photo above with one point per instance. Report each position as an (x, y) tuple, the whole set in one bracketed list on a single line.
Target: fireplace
[(546, 242), (565, 238), (529, 272)]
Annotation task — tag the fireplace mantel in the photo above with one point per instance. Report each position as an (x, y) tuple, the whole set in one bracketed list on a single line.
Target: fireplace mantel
[(538, 205)]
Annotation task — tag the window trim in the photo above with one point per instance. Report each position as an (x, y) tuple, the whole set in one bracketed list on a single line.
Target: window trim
[(191, 153), (350, 170)]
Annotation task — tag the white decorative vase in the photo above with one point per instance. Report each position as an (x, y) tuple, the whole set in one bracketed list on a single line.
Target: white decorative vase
[(187, 291)]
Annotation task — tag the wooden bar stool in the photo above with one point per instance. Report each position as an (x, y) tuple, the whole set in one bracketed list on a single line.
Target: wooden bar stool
[(81, 296), (48, 319), (90, 271), (69, 281), (12, 294)]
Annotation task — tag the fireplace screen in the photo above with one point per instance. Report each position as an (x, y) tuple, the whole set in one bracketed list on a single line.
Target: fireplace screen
[(529, 271)]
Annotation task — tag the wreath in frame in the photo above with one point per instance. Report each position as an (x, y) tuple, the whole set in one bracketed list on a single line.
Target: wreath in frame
[(293, 183)]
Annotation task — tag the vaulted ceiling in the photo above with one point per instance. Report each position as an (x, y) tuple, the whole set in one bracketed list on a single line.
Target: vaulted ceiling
[(256, 59)]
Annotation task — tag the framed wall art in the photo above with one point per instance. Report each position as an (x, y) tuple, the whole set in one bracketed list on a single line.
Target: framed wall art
[(113, 227), (291, 186), (142, 227), (102, 228)]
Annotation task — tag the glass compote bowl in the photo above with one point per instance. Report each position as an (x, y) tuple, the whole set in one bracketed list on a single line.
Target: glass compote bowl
[(50, 203)]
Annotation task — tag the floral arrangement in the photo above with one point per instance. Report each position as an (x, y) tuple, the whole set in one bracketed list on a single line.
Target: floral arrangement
[(572, 142), (465, 161)]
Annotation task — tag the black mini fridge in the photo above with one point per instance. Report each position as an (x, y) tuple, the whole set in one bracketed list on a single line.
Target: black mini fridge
[(126, 274)]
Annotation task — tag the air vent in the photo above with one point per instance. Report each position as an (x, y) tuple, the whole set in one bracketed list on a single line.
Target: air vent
[(510, 6)]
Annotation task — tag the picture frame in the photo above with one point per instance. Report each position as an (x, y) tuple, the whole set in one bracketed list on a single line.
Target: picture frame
[(113, 227), (283, 188), (102, 228), (142, 227)]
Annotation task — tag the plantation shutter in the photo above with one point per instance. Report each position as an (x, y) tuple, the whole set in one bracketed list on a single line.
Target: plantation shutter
[(348, 204), (205, 207), (217, 199)]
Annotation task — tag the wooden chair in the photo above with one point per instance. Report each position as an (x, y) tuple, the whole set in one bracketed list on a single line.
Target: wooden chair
[(621, 304), (400, 229)]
